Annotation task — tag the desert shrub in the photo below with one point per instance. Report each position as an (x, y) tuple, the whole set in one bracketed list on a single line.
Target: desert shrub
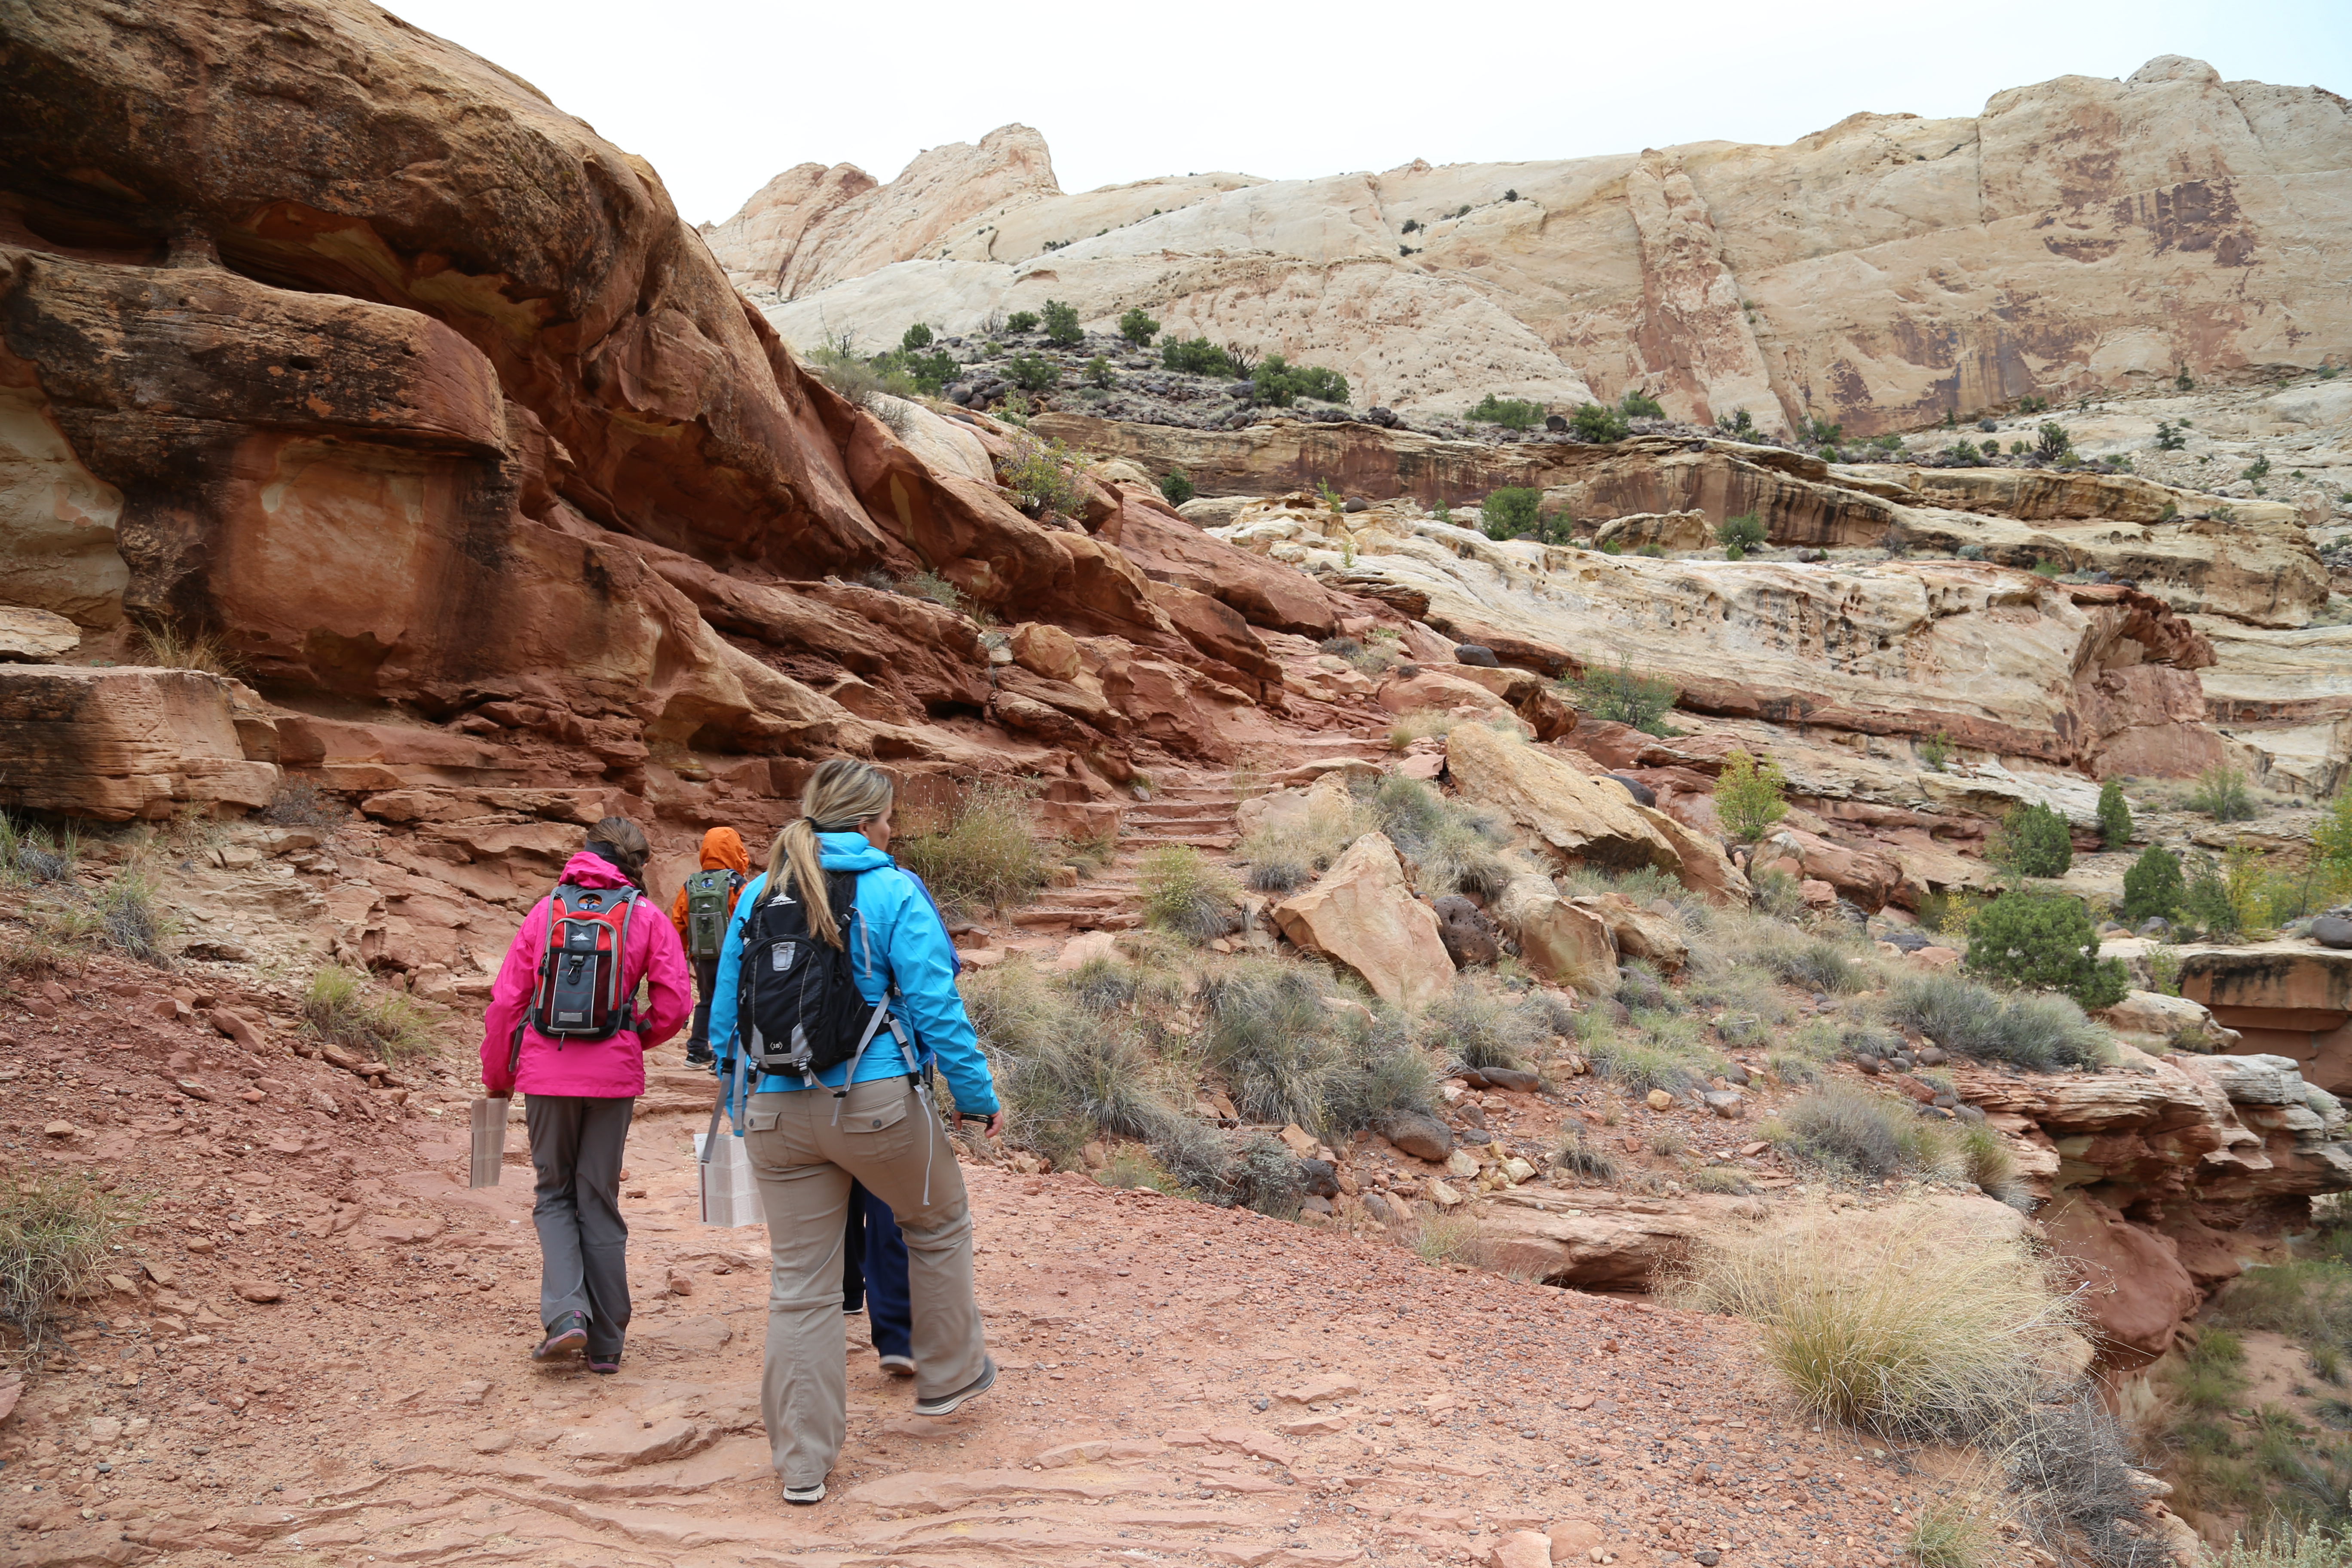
[(2222, 794), (1138, 327), (1020, 321), (2045, 942), (2041, 1032), (2152, 887), (32, 854), (1476, 1027), (1579, 1156), (2331, 836), (1597, 422), (918, 336), (1061, 322), (1855, 1129), (128, 916), (1936, 752), (305, 804), (1510, 413), (1099, 371), (1815, 963), (1793, 1068), (1102, 983), (2205, 900), (2051, 441), (1508, 513), (1890, 1321), (1641, 1062), (1280, 383), (1441, 1238), (1951, 1532), (57, 1233), (1177, 487), (984, 857), (1268, 1034), (1283, 858), (170, 646), (344, 1009), (1454, 847), (1639, 405), (1381, 1074), (1132, 1166), (1084, 1078), (1198, 357), (1183, 892), (1622, 697), (1041, 476), (2032, 841), (1738, 424), (1264, 1177), (2115, 815), (1033, 373), (1984, 1157), (2073, 1472), (1749, 795), (2287, 1544), (1778, 894), (922, 585), (1743, 532)]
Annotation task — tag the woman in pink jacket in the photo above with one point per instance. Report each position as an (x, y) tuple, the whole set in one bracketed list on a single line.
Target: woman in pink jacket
[(582, 1076)]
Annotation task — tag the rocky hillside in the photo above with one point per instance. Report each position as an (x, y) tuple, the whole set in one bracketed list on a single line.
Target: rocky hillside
[(2079, 236)]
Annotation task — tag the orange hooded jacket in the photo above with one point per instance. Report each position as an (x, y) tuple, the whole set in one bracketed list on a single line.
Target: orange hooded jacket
[(722, 850)]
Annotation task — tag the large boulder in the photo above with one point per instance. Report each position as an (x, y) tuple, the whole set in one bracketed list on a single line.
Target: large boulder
[(1557, 940), (1363, 914), (1639, 934), (2137, 1290), (1577, 819), (117, 744)]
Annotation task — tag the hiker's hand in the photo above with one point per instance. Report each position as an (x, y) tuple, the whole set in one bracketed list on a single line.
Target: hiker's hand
[(994, 1120)]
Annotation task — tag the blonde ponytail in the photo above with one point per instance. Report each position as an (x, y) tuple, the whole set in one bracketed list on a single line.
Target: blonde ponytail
[(841, 796)]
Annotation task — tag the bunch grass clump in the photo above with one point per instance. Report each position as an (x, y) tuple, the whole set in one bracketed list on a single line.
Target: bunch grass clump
[(984, 857), (344, 1009), (1287, 856), (1477, 1025), (1890, 1321), (2039, 1032), (1184, 893), (57, 1234)]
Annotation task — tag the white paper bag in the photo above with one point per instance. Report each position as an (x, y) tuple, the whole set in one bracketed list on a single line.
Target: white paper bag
[(730, 1192), (489, 1152)]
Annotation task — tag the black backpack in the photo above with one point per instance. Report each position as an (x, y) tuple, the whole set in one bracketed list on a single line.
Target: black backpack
[(797, 1006)]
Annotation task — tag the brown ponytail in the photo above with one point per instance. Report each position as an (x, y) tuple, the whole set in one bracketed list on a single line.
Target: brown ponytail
[(839, 796)]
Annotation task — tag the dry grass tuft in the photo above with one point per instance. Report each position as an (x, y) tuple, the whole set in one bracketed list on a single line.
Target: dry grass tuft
[(1185, 894), (1890, 1321), (56, 1232), (344, 1009), (166, 646), (985, 857)]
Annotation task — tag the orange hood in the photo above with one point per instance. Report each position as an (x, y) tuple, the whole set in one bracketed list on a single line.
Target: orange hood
[(722, 850)]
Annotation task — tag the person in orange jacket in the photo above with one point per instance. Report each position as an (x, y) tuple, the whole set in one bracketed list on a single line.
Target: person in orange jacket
[(705, 902)]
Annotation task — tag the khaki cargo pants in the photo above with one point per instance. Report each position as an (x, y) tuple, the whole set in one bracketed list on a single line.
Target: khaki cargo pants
[(805, 1157)]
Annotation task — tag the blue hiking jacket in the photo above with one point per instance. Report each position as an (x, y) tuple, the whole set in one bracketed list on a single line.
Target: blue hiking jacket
[(899, 940)]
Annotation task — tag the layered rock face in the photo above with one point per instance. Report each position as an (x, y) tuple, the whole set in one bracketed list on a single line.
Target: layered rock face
[(2079, 233), (335, 344), (2001, 661), (2164, 1171)]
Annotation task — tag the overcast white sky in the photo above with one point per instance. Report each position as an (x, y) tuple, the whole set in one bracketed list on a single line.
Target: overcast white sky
[(722, 94)]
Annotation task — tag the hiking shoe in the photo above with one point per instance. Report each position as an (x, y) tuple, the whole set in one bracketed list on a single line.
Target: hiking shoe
[(606, 1364), (805, 1495), (949, 1404), (899, 1365), (698, 1053), (568, 1335)]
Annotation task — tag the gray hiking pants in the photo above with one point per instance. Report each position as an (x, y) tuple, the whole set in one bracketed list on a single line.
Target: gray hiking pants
[(806, 1157), (576, 1145)]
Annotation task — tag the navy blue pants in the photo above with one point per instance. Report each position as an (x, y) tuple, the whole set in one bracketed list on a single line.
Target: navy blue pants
[(874, 1271)]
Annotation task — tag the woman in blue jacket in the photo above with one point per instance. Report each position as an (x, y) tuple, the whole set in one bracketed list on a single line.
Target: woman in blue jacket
[(807, 1147)]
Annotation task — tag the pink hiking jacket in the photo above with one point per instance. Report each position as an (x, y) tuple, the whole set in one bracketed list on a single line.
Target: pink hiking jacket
[(596, 1069)]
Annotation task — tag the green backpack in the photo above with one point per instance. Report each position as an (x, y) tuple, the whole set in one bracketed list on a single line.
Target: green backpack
[(707, 895)]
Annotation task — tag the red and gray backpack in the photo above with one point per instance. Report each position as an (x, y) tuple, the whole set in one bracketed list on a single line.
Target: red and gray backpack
[(582, 993)]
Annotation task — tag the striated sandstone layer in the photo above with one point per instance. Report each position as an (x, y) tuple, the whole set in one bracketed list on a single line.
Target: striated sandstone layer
[(2077, 234), (2100, 678)]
